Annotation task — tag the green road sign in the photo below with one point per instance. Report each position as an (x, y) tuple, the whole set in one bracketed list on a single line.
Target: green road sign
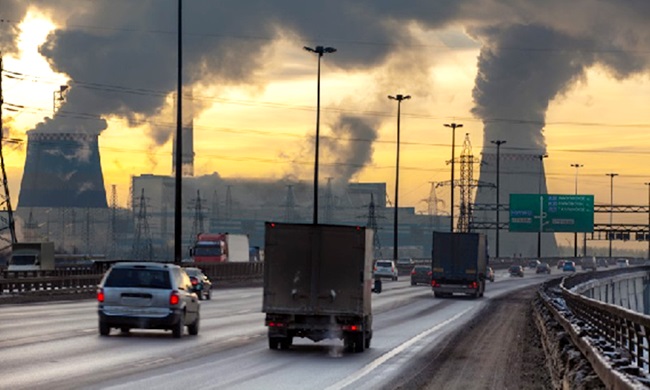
[(560, 213)]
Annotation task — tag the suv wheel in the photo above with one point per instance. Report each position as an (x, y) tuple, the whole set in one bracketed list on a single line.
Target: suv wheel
[(177, 330), (104, 329), (193, 328)]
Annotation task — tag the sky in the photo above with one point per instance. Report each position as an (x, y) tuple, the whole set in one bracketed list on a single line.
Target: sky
[(569, 80)]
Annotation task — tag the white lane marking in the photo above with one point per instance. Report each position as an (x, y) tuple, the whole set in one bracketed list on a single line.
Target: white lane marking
[(382, 359)]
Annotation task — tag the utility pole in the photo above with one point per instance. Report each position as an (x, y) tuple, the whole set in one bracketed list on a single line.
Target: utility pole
[(611, 209), (541, 211), (399, 99), (498, 143), (178, 185), (453, 148), (647, 236), (575, 234)]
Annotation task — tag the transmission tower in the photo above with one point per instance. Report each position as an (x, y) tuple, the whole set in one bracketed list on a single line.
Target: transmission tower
[(467, 183), (228, 203), (198, 225), (329, 202), (31, 228), (432, 203), (290, 214), (372, 224), (142, 246), (7, 223), (214, 212)]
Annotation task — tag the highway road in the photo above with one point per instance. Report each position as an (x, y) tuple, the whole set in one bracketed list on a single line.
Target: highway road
[(56, 345)]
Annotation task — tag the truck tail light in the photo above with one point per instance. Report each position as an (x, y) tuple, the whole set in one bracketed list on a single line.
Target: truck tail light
[(435, 283), (413, 272), (100, 295), (273, 324), (473, 285), (351, 328), (174, 298)]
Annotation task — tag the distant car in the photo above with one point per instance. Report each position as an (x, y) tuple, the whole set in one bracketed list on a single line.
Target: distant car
[(533, 264), (489, 274), (560, 264), (589, 263), (622, 263), (201, 284), (385, 269), (421, 274), (602, 263), (543, 268), (516, 270), (569, 266), (147, 295)]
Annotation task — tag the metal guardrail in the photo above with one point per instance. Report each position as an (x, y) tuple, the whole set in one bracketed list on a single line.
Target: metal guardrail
[(614, 340), (81, 280)]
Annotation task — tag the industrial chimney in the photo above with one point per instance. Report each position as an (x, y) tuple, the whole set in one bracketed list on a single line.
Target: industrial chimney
[(62, 170)]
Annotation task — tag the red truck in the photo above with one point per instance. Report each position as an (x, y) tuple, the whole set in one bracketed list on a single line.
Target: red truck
[(220, 248)]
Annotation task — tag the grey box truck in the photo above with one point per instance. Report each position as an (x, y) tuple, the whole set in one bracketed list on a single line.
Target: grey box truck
[(459, 264), (318, 284)]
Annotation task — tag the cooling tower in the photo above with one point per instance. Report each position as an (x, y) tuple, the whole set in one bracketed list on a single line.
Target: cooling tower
[(62, 170), (518, 174)]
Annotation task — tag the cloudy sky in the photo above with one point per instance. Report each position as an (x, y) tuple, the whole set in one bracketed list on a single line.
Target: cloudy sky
[(570, 79)]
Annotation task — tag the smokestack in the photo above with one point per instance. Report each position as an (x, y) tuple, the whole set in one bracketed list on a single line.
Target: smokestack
[(62, 170), (518, 174)]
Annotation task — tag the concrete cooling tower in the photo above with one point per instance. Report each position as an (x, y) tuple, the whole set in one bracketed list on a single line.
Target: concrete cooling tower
[(62, 170), (518, 174)]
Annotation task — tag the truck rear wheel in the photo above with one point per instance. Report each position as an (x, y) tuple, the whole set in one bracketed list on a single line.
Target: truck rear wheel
[(280, 342), (355, 342)]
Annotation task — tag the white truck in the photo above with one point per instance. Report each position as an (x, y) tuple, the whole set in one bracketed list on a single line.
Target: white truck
[(318, 284), (32, 256)]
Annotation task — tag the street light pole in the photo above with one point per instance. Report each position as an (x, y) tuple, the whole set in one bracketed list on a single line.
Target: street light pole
[(178, 166), (648, 184), (453, 148), (611, 209), (498, 143), (575, 234), (541, 211), (319, 50), (399, 99)]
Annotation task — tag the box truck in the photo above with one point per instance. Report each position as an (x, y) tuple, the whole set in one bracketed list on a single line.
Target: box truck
[(318, 284)]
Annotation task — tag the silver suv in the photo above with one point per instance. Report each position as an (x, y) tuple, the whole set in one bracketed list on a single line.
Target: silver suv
[(385, 269), (147, 296)]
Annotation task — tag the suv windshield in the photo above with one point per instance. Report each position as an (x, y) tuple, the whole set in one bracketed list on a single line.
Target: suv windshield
[(134, 277), (384, 264)]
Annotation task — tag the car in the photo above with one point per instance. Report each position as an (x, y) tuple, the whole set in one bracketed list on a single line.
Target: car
[(201, 284), (569, 266), (533, 264), (147, 295), (543, 268), (421, 274), (489, 274), (385, 269), (622, 263), (602, 263), (516, 270), (560, 264), (589, 263)]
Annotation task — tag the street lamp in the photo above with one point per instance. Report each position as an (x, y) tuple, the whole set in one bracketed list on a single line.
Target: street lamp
[(320, 50), (575, 234), (611, 209), (498, 143), (399, 99), (453, 148), (541, 205), (648, 238)]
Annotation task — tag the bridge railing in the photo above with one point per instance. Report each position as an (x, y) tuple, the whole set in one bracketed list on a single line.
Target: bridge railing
[(614, 340)]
